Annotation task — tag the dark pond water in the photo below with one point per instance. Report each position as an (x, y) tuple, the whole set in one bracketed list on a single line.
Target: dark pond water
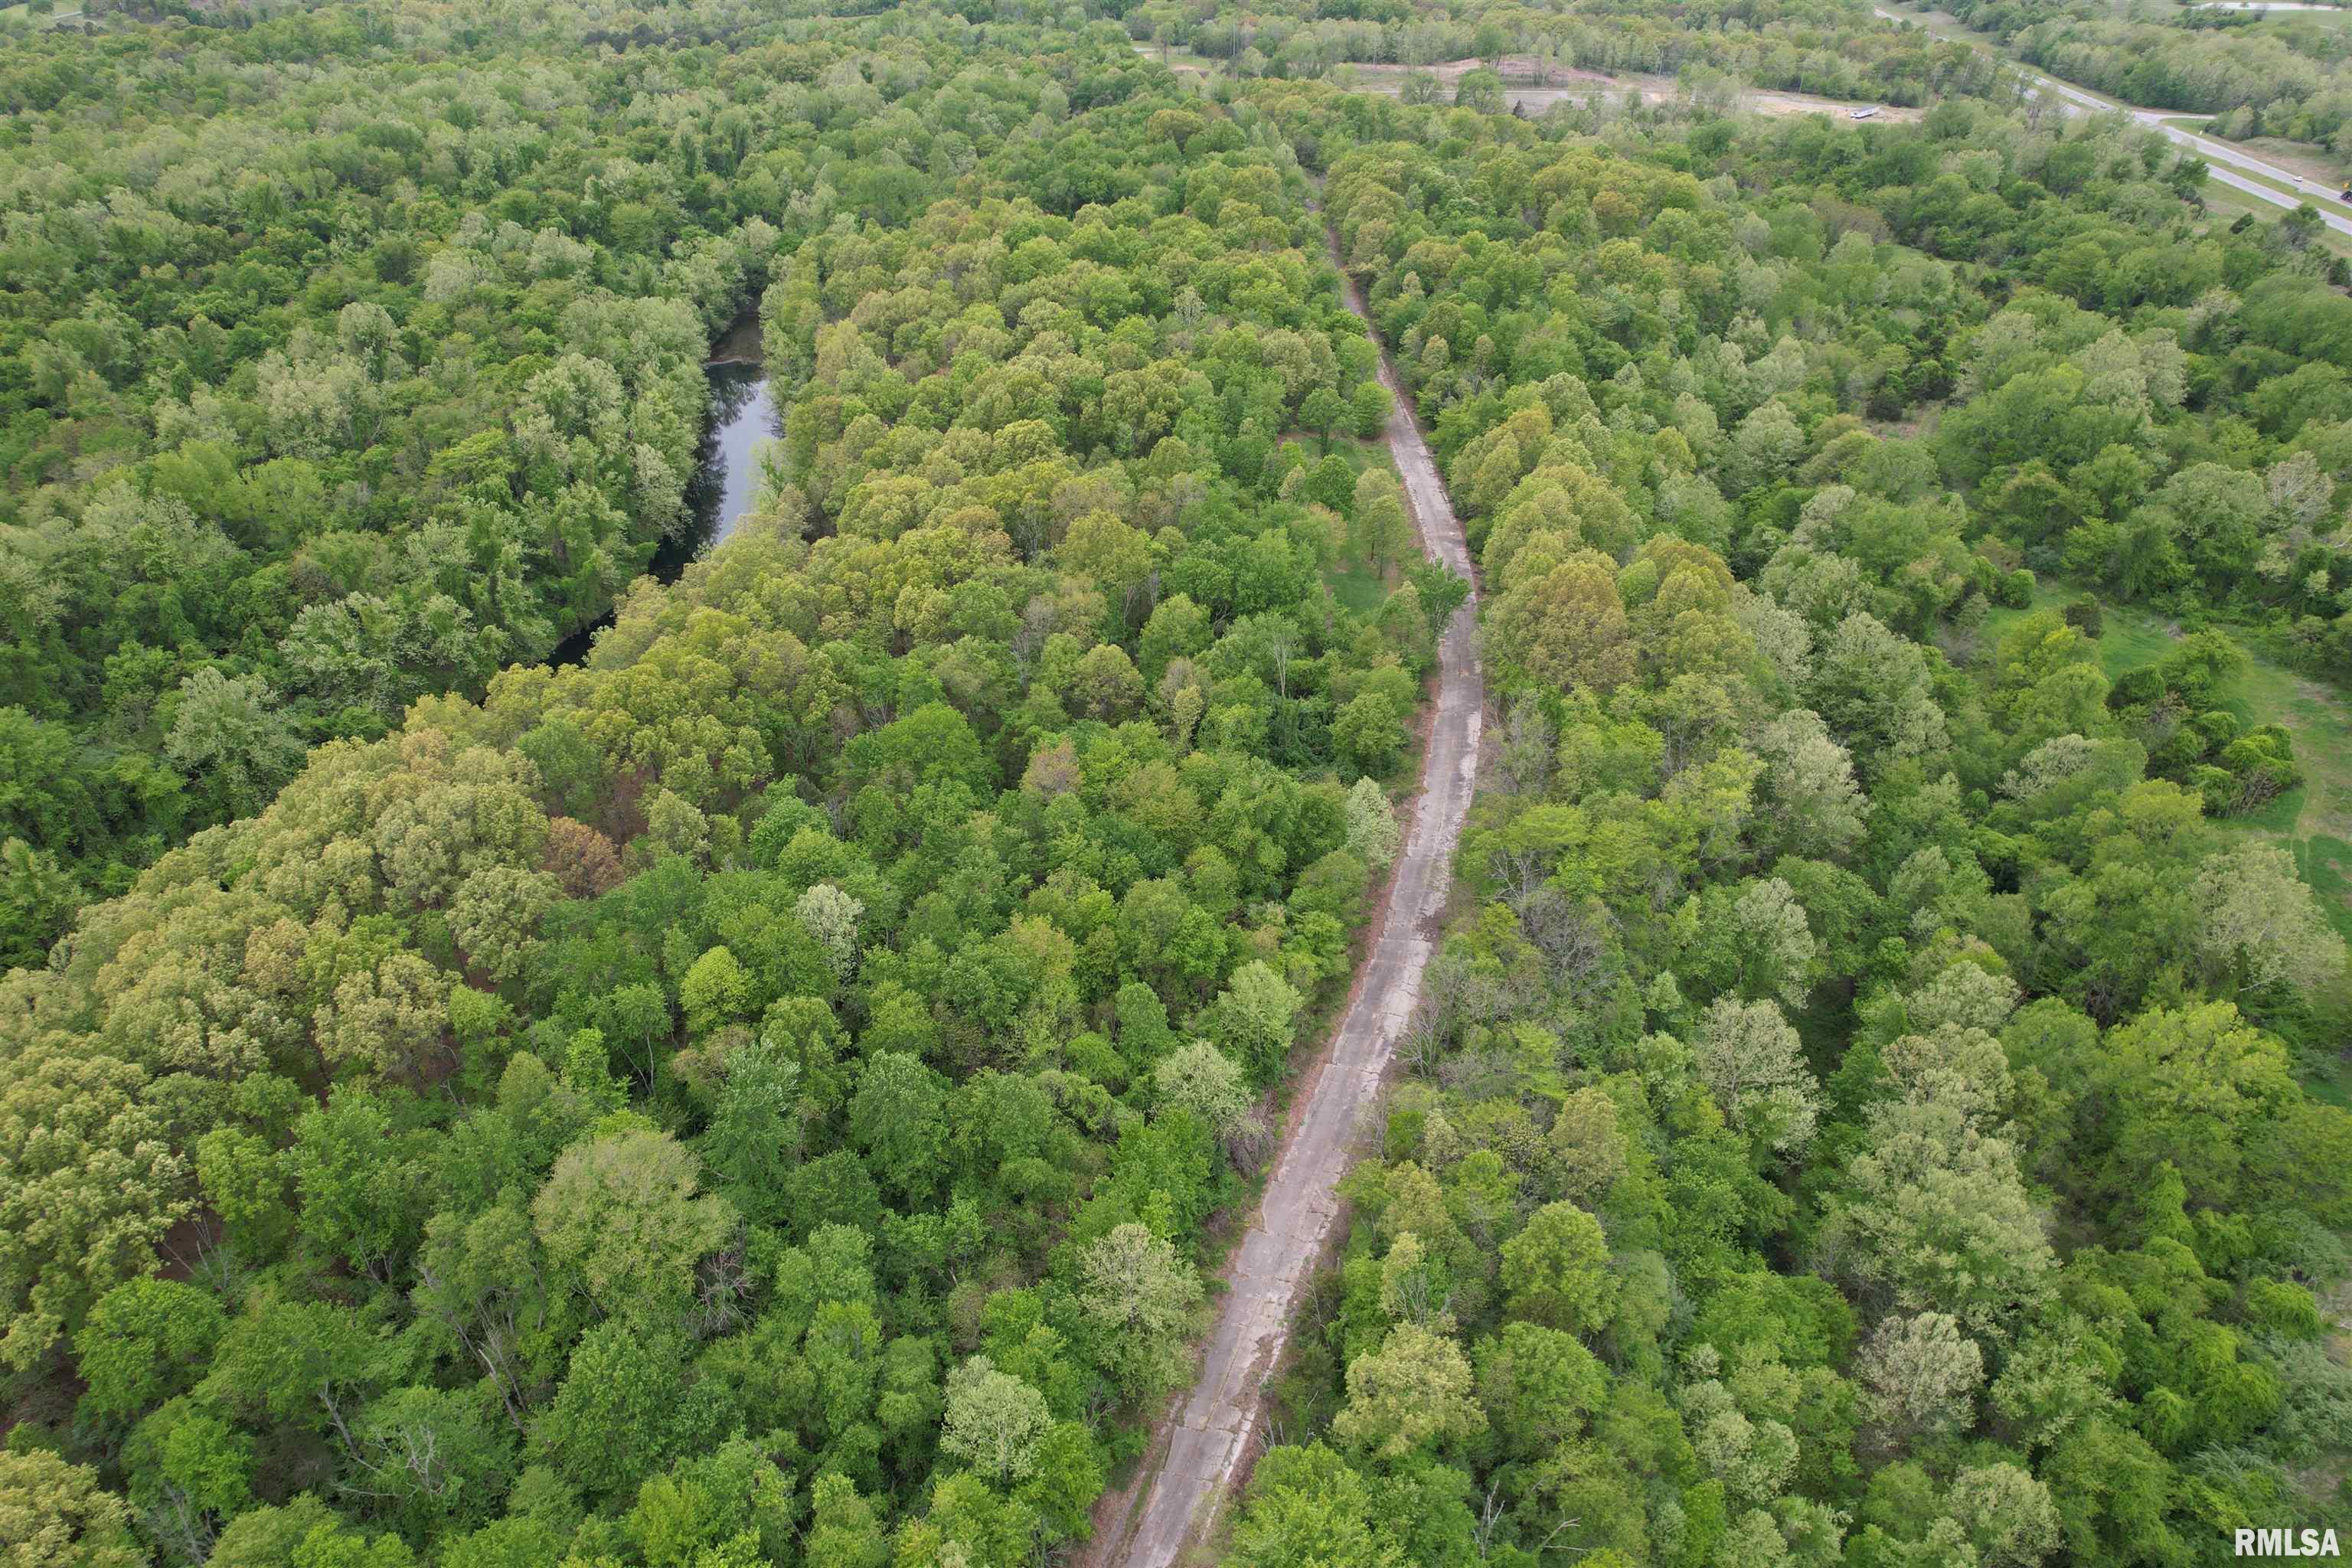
[(727, 471)]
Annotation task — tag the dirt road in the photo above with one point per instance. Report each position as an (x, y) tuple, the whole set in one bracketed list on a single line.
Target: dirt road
[(1207, 1441)]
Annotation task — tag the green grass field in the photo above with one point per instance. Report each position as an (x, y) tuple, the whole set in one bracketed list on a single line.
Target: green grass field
[(1358, 588), (1175, 58), (1352, 583), (1361, 453)]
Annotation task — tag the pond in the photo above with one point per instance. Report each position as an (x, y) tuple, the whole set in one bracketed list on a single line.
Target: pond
[(726, 468)]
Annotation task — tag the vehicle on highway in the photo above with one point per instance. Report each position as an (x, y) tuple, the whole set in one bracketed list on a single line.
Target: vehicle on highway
[(1868, 111)]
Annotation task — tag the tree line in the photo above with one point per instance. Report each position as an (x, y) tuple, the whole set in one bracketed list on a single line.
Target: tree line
[(1834, 46), (2261, 75)]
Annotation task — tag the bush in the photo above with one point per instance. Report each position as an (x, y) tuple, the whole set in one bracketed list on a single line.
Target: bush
[(2137, 688), (2016, 590), (2263, 765), (2219, 787), (2218, 725)]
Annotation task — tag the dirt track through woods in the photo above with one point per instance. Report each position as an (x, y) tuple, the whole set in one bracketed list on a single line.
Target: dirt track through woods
[(1204, 1444)]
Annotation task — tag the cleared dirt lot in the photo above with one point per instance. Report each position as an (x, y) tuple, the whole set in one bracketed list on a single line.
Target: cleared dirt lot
[(1526, 85)]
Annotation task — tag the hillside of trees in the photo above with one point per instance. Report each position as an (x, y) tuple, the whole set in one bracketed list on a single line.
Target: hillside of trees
[(777, 1087), (1855, 1115)]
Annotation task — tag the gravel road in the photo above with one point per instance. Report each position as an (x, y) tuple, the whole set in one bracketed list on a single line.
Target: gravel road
[(1206, 1443)]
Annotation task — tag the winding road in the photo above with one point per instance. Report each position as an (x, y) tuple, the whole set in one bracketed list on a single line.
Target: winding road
[(2223, 162), (1207, 1442)]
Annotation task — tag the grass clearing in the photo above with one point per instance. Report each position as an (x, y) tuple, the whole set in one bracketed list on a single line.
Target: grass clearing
[(1938, 23), (2325, 862), (1173, 57), (1359, 587), (2312, 822), (1351, 581), (2127, 641), (2048, 594), (1361, 453)]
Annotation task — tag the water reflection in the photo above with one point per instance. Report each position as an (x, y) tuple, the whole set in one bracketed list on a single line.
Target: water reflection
[(727, 467), (727, 477)]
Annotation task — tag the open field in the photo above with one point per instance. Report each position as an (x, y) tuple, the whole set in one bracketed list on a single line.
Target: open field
[(1530, 85)]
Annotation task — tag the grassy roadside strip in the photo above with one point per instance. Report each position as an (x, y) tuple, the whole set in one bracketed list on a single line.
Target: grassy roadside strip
[(2227, 202), (2325, 203)]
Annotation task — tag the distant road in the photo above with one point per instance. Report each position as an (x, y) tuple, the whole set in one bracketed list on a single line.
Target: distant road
[(2226, 164)]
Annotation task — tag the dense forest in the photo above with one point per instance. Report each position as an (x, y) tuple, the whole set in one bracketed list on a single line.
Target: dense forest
[(349, 380), (532, 1045), (766, 1081)]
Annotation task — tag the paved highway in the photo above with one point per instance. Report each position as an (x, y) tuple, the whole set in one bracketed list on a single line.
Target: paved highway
[(2226, 164)]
